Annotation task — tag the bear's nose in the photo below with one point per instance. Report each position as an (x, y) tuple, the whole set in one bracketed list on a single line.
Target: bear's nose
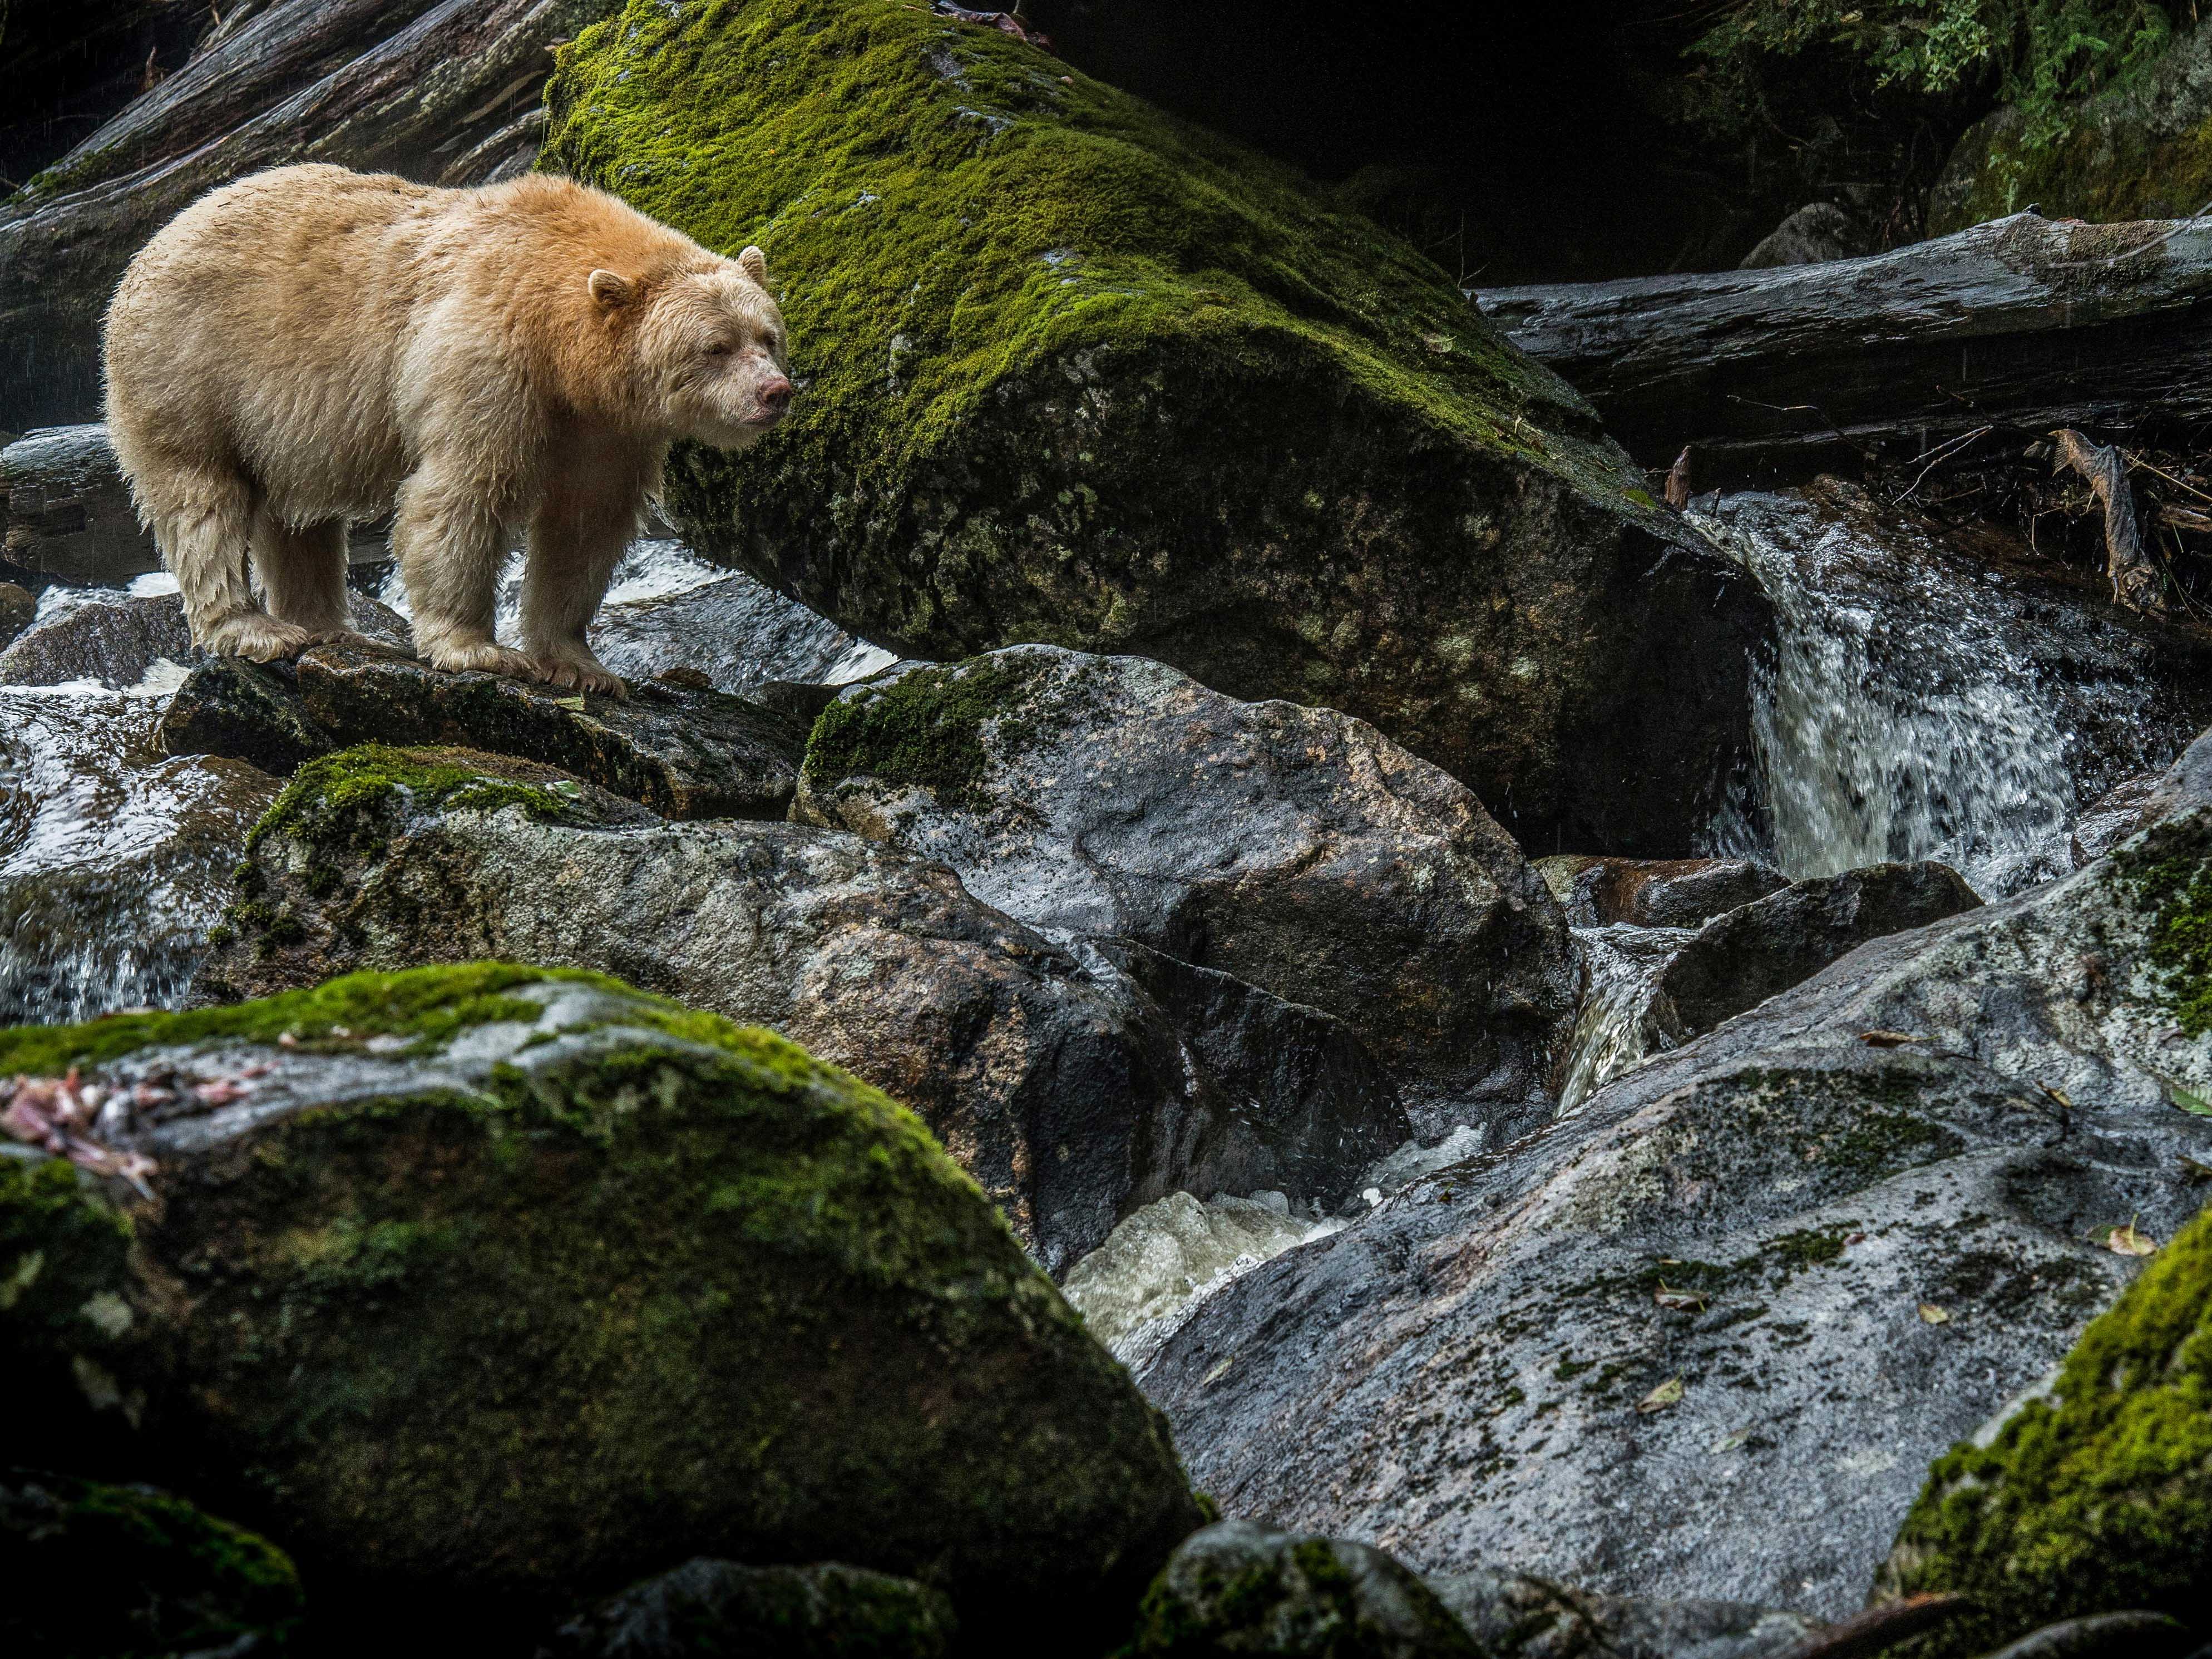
[(775, 396)]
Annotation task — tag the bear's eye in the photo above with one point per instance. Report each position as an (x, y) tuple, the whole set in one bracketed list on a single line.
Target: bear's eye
[(719, 349)]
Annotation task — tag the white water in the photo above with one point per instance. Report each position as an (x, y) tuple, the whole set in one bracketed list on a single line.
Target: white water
[(1137, 1289), (1613, 1034), (114, 860), (1899, 718)]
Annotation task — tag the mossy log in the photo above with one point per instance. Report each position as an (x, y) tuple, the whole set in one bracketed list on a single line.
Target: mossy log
[(1078, 373), (2022, 322)]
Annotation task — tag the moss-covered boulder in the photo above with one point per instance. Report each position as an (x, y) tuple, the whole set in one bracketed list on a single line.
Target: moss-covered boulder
[(1077, 373), (2096, 1496), (95, 1571), (2140, 150), (488, 1289)]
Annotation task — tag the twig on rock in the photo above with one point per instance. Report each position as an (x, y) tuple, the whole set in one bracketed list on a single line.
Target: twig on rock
[(2135, 579), (1879, 1629)]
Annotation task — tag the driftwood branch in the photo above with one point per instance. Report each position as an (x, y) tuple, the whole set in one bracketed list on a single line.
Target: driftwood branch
[(2021, 323), (1880, 1628), (2136, 582)]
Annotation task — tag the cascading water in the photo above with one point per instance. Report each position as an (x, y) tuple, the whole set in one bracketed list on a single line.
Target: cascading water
[(115, 861), (1622, 964), (1920, 703)]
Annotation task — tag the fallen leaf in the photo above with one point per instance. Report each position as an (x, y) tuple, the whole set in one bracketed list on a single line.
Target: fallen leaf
[(1932, 1315), (2188, 1100), (1682, 1301), (1728, 1443), (1217, 1373), (568, 702), (1678, 481), (2194, 1173), (1668, 1393), (1850, 1239), (2058, 1094), (2127, 1241), (1889, 1039)]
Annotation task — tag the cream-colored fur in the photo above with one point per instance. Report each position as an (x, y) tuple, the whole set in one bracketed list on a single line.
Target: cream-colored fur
[(310, 346)]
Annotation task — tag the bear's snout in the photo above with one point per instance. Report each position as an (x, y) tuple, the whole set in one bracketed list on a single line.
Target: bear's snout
[(774, 397)]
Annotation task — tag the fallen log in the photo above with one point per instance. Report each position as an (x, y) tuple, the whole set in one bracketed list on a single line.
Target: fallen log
[(2019, 323), (444, 91)]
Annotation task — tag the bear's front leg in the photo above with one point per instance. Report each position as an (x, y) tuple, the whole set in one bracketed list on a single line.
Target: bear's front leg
[(576, 540), (451, 543)]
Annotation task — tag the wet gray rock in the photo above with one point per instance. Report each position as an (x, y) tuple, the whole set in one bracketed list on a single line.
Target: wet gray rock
[(1064, 1094), (736, 632), (1236, 1587), (1297, 849), (1702, 1338), (822, 1611), (250, 711), (1306, 1106), (445, 91), (685, 752), (1740, 959), (1814, 233), (1654, 892), (107, 638), (2142, 801), (64, 509), (1513, 1616), (114, 862)]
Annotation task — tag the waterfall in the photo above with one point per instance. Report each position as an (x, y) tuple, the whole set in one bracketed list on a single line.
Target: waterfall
[(1917, 706), (114, 860), (1622, 965)]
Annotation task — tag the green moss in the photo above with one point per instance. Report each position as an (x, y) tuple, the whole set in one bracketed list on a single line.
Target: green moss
[(510, 1340), (428, 1004), (337, 798), (905, 173), (124, 1571), (2098, 1499), (2170, 875), (927, 728)]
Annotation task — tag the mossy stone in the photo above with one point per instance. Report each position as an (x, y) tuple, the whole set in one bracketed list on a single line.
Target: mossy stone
[(525, 1285), (1077, 373), (96, 1571), (2098, 1496)]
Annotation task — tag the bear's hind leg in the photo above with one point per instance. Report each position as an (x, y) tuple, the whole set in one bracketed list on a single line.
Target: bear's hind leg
[(451, 544), (203, 523), (303, 573)]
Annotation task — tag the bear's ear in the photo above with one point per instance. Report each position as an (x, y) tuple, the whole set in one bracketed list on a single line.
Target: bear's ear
[(754, 264), (611, 290)]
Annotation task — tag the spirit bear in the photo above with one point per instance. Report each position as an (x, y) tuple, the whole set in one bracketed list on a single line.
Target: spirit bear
[(311, 347)]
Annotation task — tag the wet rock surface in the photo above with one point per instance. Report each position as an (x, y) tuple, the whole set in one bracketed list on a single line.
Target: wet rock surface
[(1738, 960), (1298, 849), (1065, 1096), (102, 638), (64, 509), (1654, 893), (1701, 1338), (1510, 1613), (432, 1157), (1235, 429), (739, 634), (819, 1612), (684, 751), (249, 711)]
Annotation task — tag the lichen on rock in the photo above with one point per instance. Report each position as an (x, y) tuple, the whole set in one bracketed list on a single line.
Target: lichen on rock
[(508, 1286), (2095, 1495), (1078, 373)]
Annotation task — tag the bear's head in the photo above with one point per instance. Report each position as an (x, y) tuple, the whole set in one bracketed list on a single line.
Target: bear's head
[(709, 347)]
